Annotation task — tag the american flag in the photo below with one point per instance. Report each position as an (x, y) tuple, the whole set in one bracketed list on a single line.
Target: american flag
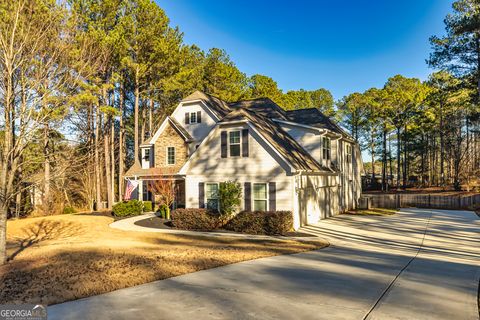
[(131, 185)]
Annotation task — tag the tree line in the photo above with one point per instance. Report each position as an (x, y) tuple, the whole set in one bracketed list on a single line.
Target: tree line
[(426, 133)]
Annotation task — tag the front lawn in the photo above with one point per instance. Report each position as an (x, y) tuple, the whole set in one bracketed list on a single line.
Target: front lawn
[(61, 258), (373, 212)]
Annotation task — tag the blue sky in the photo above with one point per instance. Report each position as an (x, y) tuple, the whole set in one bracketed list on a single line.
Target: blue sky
[(343, 46)]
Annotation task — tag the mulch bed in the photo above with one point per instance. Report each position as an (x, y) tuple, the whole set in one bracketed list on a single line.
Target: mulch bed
[(159, 223)]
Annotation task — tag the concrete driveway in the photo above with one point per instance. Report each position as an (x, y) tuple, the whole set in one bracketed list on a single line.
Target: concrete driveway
[(418, 264)]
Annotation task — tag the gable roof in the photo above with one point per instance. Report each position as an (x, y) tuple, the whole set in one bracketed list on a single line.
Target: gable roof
[(218, 106), (176, 126), (287, 146)]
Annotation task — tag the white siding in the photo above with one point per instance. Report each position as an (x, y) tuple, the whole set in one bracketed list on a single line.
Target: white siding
[(198, 131), (260, 167), (309, 139)]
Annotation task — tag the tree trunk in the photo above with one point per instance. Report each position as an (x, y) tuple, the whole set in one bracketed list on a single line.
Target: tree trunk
[(112, 156), (3, 233), (405, 158), (144, 122), (372, 151), (150, 118), (121, 144), (135, 119), (442, 149), (108, 177), (46, 185), (384, 158), (398, 157), (98, 197)]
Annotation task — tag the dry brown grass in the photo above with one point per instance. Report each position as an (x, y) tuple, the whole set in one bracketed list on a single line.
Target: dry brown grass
[(61, 258), (373, 212)]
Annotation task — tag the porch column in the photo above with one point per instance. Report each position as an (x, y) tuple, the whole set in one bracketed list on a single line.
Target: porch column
[(140, 190)]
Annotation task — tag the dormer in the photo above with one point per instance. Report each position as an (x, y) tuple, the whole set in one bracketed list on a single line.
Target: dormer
[(146, 154), (199, 113)]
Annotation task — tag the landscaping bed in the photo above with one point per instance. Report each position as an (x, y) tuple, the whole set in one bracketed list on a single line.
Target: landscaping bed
[(66, 257), (159, 223)]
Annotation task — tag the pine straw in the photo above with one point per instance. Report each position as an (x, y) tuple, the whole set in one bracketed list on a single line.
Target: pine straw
[(61, 258)]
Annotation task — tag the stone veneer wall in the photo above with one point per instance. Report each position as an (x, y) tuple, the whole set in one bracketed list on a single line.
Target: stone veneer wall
[(170, 138)]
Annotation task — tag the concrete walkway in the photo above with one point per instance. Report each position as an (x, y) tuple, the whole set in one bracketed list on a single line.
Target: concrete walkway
[(418, 264)]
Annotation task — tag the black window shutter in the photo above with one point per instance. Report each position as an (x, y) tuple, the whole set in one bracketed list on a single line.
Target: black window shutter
[(247, 189), (199, 116), (201, 195), (272, 197), (187, 118), (245, 143), (223, 143)]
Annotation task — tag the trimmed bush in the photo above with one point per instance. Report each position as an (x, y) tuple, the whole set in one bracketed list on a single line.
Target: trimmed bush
[(128, 208), (164, 211), (196, 219), (262, 222), (69, 210), (147, 206)]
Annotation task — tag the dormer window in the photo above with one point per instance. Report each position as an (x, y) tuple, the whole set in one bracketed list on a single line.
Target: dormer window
[(193, 117), (146, 155), (326, 148)]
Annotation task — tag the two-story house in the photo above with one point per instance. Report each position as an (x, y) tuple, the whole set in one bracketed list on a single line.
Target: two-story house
[(296, 160)]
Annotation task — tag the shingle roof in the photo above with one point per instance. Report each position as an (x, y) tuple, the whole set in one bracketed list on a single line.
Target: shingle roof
[(137, 170), (295, 154), (313, 117), (262, 106), (218, 106)]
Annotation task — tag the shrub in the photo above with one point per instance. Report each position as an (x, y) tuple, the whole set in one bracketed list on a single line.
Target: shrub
[(196, 219), (147, 206), (262, 222), (69, 210), (164, 211), (229, 194), (128, 208)]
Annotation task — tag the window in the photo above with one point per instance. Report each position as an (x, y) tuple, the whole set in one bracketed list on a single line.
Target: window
[(170, 155), (193, 117), (349, 153), (326, 146), (234, 143), (212, 196), (146, 156), (260, 197)]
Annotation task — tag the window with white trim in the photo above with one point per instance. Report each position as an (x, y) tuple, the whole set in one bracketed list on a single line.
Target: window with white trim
[(260, 197), (211, 194), (193, 117), (170, 155), (326, 148), (234, 143), (146, 156)]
